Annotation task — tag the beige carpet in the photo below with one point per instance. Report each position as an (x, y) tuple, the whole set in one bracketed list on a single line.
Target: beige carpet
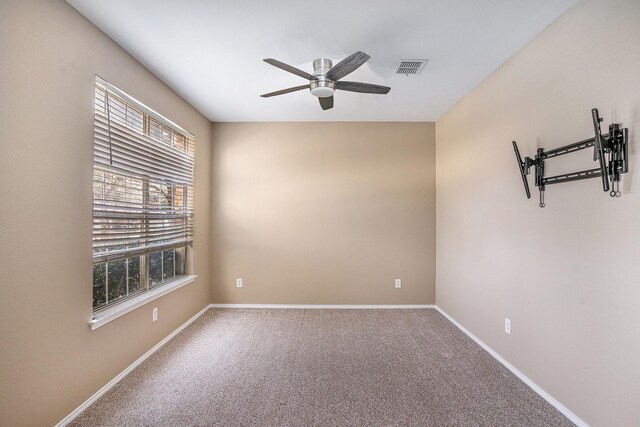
[(241, 367)]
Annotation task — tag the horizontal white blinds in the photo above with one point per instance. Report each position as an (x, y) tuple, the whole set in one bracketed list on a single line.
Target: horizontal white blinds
[(142, 179)]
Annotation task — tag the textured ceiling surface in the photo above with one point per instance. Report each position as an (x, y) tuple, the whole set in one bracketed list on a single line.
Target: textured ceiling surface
[(210, 52)]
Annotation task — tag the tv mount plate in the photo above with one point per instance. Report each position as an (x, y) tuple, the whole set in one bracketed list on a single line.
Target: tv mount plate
[(611, 151)]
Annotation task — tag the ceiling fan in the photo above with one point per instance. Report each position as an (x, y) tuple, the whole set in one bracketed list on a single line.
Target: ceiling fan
[(325, 79)]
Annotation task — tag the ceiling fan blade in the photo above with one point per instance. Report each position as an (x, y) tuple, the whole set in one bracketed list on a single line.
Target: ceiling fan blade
[(347, 65), (283, 91), (326, 103), (289, 68), (363, 87)]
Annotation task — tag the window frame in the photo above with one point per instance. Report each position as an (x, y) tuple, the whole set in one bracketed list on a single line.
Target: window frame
[(114, 311), (147, 289)]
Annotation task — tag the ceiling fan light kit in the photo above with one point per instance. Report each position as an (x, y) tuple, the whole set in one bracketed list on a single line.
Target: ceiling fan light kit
[(322, 88), (325, 79)]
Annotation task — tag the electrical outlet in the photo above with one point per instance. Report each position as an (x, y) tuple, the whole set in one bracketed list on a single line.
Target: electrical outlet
[(238, 283), (154, 314), (507, 326), (398, 283)]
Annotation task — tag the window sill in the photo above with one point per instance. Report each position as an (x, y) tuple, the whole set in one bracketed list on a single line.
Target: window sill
[(112, 313)]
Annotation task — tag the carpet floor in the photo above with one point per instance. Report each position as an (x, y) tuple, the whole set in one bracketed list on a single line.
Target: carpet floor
[(242, 367)]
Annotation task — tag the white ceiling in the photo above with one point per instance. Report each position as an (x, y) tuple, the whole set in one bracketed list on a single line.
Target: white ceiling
[(210, 51)]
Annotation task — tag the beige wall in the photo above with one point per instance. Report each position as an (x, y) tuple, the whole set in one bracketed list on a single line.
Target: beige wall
[(323, 213), (50, 361), (567, 275)]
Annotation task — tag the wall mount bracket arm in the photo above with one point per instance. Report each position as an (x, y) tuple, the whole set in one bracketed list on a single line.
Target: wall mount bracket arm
[(611, 151)]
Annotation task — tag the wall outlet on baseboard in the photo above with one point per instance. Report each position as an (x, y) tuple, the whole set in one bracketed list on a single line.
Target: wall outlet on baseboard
[(507, 325), (238, 283), (398, 283), (154, 314)]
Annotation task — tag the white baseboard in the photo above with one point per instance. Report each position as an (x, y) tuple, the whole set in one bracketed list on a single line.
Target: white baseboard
[(535, 387), (124, 373), (323, 306)]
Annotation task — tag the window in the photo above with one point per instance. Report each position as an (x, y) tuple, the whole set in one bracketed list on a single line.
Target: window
[(142, 198)]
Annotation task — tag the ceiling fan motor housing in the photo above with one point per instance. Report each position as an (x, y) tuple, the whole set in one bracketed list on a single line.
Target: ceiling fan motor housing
[(322, 88)]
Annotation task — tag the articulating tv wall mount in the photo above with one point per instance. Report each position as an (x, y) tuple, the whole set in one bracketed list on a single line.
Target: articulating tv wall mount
[(611, 150)]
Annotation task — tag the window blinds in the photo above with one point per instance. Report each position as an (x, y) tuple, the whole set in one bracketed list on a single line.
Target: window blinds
[(142, 179)]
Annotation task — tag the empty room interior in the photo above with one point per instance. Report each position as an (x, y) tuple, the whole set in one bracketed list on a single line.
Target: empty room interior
[(339, 213)]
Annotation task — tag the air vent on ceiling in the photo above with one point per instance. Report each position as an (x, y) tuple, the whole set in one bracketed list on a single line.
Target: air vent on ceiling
[(411, 66)]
